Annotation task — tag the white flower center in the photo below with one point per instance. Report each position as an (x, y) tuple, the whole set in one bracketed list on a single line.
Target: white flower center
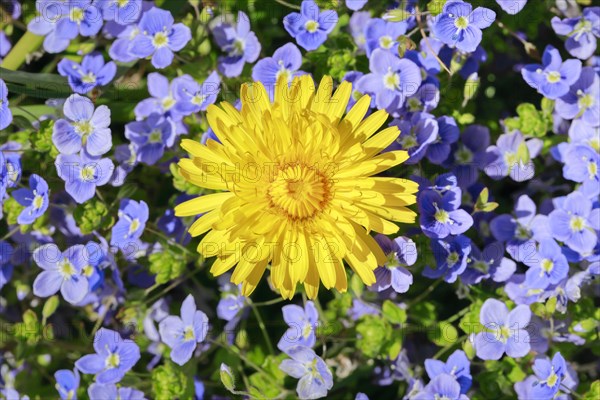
[(311, 26), (160, 40), (577, 223), (66, 269), (386, 42), (391, 80), (553, 77), (76, 15), (461, 22), (112, 361)]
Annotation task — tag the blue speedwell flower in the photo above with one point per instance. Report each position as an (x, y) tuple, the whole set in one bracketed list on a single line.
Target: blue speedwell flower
[(82, 174), (401, 252), (310, 27), (511, 156), (182, 334), (286, 61), (443, 386), (553, 77), (457, 365), (314, 376), (67, 383), (521, 229), (381, 34), (504, 332), (451, 256), (85, 128), (575, 223), (192, 97), (512, 6), (159, 37), (547, 267), (133, 216), (62, 271), (302, 322), (582, 164), (61, 21), (581, 32), (113, 358), (583, 99), (550, 375), (5, 113), (98, 391), (163, 99), (417, 133), (11, 153), (123, 12), (391, 80), (460, 26), (150, 137), (35, 200), (92, 72), (240, 44), (440, 214)]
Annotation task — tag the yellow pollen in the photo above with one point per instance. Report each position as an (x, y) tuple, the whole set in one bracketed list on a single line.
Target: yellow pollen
[(577, 223), (38, 201), (135, 225), (299, 191), (66, 269), (442, 216), (122, 3), (160, 40), (188, 334), (592, 168), (112, 361), (77, 15), (88, 173), (547, 265), (461, 22), (83, 128), (311, 26), (552, 379), (553, 77), (386, 42)]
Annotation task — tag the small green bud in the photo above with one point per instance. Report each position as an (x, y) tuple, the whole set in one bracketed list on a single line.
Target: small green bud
[(471, 86), (227, 377), (50, 307), (396, 15), (92, 216)]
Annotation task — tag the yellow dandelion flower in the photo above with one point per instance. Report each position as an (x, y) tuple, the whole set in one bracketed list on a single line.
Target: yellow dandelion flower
[(297, 187)]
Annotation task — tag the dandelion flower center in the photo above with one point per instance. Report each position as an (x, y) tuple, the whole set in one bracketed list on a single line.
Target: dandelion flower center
[(299, 191), (296, 187)]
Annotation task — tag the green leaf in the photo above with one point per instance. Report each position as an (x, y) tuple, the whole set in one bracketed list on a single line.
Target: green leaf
[(393, 313)]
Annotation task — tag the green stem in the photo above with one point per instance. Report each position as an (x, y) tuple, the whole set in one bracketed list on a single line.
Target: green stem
[(28, 43), (262, 326), (290, 5)]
